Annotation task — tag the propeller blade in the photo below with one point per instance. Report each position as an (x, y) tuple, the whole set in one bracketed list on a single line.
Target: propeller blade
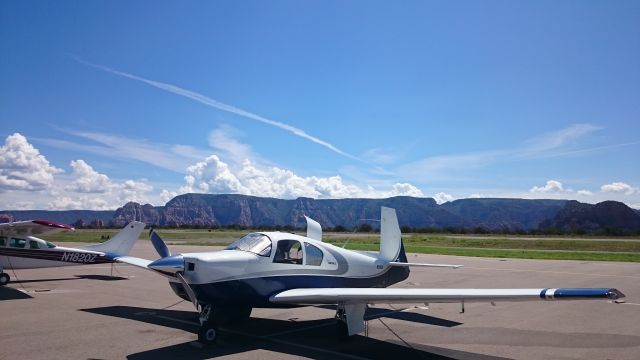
[(160, 246), (189, 290)]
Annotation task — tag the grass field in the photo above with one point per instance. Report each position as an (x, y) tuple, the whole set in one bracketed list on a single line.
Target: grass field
[(525, 247)]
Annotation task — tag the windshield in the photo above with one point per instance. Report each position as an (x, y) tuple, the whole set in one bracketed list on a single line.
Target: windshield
[(256, 243)]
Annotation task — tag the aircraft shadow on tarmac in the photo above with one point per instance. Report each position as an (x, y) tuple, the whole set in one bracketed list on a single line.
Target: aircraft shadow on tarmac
[(101, 277), (315, 338), (9, 293), (376, 313), (76, 277)]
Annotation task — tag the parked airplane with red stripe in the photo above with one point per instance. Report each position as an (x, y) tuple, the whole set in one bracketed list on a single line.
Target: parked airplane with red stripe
[(20, 249)]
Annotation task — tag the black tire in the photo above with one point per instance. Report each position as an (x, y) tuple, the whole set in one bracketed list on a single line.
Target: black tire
[(207, 334), (4, 279)]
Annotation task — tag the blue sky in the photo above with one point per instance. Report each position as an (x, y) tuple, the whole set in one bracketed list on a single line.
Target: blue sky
[(107, 102)]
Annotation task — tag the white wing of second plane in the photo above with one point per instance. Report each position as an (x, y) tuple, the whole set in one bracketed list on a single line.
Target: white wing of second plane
[(135, 261), (399, 295), (32, 227)]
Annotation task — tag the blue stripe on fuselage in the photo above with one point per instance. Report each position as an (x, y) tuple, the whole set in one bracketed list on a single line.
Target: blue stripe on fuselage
[(255, 292)]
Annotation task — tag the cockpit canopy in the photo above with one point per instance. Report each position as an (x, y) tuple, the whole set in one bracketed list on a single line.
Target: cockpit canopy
[(257, 243)]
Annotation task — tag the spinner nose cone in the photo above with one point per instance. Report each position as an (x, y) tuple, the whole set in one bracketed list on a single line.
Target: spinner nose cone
[(169, 264)]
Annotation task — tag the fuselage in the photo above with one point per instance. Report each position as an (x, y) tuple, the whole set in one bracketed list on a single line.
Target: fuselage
[(273, 262), (30, 253)]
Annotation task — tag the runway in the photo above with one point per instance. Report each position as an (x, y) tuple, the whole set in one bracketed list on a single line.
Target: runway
[(84, 312)]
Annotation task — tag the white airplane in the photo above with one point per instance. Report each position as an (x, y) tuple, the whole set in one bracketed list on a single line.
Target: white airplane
[(19, 249), (275, 269)]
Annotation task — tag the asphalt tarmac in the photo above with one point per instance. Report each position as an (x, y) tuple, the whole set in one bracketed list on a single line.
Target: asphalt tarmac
[(95, 312)]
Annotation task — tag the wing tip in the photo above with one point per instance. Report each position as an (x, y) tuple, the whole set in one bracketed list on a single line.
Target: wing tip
[(54, 224)]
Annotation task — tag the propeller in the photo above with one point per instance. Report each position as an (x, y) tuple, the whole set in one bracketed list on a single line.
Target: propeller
[(157, 242), (170, 264), (167, 263)]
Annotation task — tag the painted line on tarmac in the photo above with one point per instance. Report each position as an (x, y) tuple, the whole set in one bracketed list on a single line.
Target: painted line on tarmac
[(552, 272), (626, 303), (269, 338)]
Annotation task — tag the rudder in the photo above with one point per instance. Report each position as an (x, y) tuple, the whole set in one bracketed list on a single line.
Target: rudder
[(390, 235)]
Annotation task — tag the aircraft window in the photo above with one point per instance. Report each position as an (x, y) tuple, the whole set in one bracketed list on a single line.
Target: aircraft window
[(33, 245), (314, 255), (18, 243), (288, 252), (3, 241), (50, 245), (259, 244)]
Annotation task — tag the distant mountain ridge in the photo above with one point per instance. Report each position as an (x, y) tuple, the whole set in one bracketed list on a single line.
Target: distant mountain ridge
[(492, 214)]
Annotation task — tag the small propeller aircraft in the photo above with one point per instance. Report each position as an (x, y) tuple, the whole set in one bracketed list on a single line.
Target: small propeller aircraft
[(19, 249), (275, 269)]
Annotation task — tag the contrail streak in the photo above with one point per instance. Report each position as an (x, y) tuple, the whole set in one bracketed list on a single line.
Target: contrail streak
[(216, 104)]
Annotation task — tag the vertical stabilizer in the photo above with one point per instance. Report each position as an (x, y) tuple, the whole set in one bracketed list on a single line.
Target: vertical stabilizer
[(122, 242), (390, 237)]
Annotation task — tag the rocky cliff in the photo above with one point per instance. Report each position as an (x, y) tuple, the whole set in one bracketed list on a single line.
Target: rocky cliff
[(208, 210)]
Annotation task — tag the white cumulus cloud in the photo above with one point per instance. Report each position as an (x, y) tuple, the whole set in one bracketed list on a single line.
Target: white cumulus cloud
[(22, 167), (442, 197), (166, 195), (87, 180), (405, 189), (584, 193), (551, 186), (215, 176), (619, 187), (93, 190)]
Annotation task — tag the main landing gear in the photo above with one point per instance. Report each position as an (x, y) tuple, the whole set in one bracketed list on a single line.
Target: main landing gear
[(350, 319), (211, 318), (4, 277)]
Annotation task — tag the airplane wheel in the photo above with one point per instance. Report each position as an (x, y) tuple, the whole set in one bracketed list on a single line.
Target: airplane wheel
[(207, 334), (4, 279)]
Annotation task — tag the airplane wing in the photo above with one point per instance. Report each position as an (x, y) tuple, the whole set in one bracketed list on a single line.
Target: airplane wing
[(135, 261), (398, 295), (32, 227)]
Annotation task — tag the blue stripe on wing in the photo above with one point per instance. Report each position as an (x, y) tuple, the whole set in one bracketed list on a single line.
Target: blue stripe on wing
[(581, 293)]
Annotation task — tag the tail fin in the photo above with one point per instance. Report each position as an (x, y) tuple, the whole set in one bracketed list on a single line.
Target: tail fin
[(122, 242), (390, 236)]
